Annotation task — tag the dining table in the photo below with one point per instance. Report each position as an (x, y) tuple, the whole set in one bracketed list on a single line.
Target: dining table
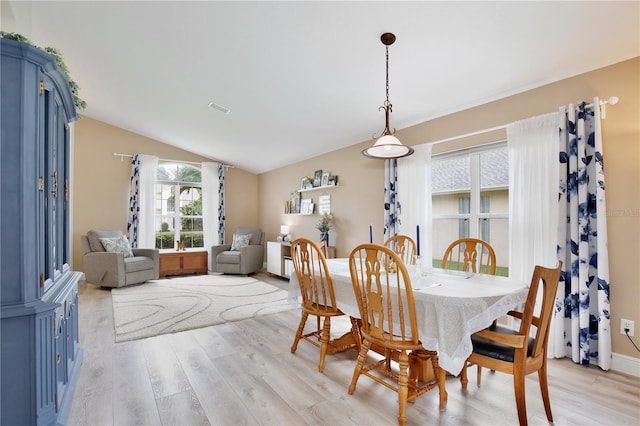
[(450, 305)]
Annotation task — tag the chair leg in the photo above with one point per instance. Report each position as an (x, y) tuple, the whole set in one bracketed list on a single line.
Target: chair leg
[(479, 375), (441, 376), (355, 331), (518, 384), (387, 355), (463, 376), (544, 388), (326, 332), (362, 356), (403, 387), (303, 321)]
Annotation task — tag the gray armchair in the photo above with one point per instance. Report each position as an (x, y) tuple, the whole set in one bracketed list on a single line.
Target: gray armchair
[(243, 260), (114, 268)]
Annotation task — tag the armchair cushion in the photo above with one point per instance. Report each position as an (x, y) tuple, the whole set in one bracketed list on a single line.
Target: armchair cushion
[(240, 241), (117, 245)]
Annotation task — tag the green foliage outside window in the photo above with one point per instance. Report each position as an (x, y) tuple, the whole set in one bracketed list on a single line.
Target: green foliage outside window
[(165, 240)]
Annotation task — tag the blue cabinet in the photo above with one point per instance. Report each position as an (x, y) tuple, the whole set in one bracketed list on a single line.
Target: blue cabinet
[(40, 352)]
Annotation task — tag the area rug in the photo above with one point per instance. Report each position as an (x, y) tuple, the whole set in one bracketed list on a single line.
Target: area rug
[(178, 304)]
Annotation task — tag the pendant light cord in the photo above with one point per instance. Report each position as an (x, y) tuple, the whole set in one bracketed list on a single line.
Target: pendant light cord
[(387, 101)]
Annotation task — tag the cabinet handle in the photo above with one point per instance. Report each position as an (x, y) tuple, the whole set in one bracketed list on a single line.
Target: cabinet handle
[(55, 184)]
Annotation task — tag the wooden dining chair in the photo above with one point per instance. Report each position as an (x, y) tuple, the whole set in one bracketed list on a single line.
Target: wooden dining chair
[(523, 351), (318, 298), (471, 255), (404, 246), (382, 288)]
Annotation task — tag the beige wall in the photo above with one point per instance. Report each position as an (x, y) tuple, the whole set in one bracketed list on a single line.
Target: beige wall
[(357, 202), (101, 181)]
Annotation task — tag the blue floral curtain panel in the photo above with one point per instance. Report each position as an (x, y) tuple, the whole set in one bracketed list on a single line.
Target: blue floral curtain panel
[(134, 202), (391, 202), (582, 320), (221, 214)]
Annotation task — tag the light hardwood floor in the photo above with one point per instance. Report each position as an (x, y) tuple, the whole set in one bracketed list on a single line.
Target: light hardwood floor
[(242, 373)]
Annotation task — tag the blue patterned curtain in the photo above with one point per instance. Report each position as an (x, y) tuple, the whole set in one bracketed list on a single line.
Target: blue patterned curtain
[(221, 214), (583, 305), (391, 201), (134, 202)]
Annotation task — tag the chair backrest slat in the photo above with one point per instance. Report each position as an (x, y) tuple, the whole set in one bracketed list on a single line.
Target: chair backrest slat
[(471, 255), (404, 247), (382, 287), (316, 286)]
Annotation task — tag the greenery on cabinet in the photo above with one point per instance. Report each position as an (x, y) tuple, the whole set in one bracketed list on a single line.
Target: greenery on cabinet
[(73, 86)]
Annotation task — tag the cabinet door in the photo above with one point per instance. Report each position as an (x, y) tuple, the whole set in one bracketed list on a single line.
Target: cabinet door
[(55, 158), (61, 356), (274, 258), (194, 262)]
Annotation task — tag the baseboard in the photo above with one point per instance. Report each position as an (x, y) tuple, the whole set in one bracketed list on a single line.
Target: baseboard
[(625, 364)]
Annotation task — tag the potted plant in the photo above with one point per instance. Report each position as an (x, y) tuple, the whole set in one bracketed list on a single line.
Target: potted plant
[(324, 226)]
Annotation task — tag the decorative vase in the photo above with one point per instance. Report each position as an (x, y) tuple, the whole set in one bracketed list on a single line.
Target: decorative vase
[(324, 236)]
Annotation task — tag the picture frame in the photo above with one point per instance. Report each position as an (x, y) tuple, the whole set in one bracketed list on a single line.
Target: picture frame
[(333, 180), (305, 183), (317, 178), (324, 204), (325, 179), (295, 202), (306, 206)]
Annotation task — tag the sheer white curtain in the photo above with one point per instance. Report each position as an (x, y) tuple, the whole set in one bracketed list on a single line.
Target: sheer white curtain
[(414, 178), (210, 199), (533, 194), (146, 223)]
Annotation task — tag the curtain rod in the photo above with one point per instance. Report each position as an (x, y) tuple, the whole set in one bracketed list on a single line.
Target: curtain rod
[(603, 109), (468, 135), (612, 100), (117, 154)]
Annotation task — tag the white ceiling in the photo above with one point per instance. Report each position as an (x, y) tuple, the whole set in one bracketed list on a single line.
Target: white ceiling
[(305, 78)]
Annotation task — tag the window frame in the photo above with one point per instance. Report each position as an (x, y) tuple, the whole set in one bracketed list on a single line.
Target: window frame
[(176, 214), (476, 219)]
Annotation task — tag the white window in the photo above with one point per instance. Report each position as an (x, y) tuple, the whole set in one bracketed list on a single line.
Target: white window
[(470, 199), (178, 205)]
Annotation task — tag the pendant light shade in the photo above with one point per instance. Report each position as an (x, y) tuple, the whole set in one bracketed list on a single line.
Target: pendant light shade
[(387, 146)]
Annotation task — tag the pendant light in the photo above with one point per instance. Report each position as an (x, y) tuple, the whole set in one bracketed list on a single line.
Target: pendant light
[(387, 145)]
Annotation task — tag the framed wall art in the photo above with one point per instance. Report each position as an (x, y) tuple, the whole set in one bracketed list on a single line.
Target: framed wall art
[(324, 204), (295, 202), (305, 183), (306, 206), (325, 179), (317, 178)]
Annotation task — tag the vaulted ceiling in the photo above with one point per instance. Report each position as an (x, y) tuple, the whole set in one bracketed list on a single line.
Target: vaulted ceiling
[(305, 78)]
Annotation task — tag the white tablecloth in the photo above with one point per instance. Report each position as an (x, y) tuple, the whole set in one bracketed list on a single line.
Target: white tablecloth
[(450, 306)]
